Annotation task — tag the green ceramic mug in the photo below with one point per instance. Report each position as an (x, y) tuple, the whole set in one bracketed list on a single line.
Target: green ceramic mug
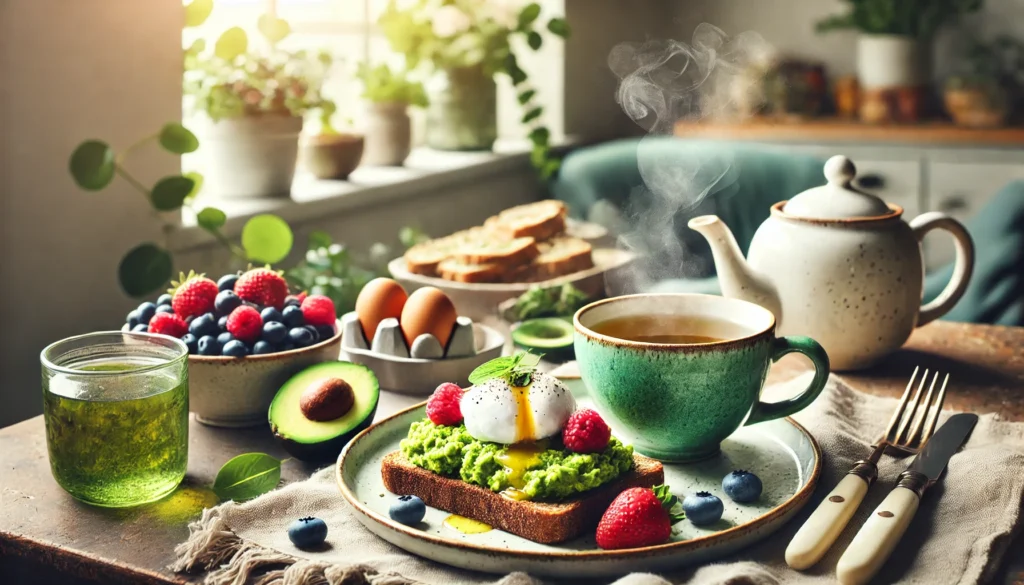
[(679, 401)]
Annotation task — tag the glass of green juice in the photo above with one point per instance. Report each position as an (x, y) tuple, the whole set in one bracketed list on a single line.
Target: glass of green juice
[(116, 411)]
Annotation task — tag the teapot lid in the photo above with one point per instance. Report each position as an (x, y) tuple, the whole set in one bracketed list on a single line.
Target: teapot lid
[(836, 199)]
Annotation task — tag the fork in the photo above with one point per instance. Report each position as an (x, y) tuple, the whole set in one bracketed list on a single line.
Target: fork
[(912, 423)]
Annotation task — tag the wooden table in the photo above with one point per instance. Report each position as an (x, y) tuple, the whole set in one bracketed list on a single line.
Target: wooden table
[(48, 537)]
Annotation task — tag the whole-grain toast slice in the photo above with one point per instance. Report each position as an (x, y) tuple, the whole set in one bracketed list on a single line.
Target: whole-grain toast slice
[(540, 220), (424, 258), (559, 256), (459, 271), (508, 253), (546, 523)]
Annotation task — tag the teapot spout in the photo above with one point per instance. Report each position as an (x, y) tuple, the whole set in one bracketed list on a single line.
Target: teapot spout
[(735, 276)]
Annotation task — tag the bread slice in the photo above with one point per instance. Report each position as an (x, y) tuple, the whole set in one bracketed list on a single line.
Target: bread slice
[(540, 220), (424, 258), (508, 253), (560, 256), (459, 271), (546, 523)]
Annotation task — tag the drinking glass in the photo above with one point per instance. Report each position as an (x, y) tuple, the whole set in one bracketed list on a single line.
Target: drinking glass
[(116, 411)]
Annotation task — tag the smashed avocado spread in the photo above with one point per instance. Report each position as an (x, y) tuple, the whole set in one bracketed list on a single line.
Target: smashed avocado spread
[(554, 474)]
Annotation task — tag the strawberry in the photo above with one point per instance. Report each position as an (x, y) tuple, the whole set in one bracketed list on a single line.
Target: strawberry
[(586, 432), (262, 286), (245, 324), (638, 517), (168, 324), (193, 295), (318, 310), (443, 406)]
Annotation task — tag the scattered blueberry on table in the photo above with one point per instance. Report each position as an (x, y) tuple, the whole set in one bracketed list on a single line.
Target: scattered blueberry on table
[(742, 486), (408, 510), (307, 532), (703, 508)]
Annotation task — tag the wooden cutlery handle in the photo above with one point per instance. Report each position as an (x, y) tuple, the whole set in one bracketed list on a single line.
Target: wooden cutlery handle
[(879, 535), (823, 526)]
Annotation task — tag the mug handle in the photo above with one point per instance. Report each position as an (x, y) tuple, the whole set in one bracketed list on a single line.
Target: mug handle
[(962, 269), (765, 411)]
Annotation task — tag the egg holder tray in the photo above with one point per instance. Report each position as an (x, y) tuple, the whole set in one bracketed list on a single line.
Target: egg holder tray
[(419, 369)]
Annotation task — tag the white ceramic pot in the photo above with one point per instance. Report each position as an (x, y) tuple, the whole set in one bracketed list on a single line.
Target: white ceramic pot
[(248, 157), (891, 61), (236, 392), (388, 134)]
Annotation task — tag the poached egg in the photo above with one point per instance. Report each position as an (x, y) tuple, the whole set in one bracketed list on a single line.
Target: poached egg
[(498, 412)]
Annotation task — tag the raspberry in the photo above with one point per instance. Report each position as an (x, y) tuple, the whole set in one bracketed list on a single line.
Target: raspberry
[(443, 406), (586, 432), (318, 310), (245, 324), (168, 324)]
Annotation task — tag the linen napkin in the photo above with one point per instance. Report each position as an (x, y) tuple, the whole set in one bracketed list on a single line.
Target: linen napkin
[(959, 535)]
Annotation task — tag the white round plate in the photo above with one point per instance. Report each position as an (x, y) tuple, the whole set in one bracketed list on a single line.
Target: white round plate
[(781, 453)]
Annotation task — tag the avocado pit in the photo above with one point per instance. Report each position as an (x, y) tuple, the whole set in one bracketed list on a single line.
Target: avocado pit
[(327, 399)]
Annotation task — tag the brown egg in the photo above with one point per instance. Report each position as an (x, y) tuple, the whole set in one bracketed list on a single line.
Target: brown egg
[(428, 310), (381, 298)]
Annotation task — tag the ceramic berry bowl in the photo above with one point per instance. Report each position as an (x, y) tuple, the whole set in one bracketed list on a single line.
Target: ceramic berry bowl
[(245, 335)]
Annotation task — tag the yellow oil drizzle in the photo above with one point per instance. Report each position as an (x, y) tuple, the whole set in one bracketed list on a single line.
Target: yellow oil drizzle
[(466, 525)]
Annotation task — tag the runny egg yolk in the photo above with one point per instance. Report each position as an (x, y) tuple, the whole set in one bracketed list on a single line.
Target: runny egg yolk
[(525, 453)]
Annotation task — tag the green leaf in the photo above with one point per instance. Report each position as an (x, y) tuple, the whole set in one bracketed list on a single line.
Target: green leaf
[(267, 238), (550, 169), (492, 369), (528, 15), (540, 135), (273, 28), (534, 39), (247, 476), (197, 11), (319, 240), (232, 43), (92, 165), (144, 270), (514, 71), (211, 219), (169, 193), (526, 96), (178, 139), (532, 114), (558, 26), (197, 184)]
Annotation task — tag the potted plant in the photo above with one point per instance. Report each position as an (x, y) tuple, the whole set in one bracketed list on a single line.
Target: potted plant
[(463, 44), (330, 154), (388, 128), (894, 44), (246, 105), (985, 95)]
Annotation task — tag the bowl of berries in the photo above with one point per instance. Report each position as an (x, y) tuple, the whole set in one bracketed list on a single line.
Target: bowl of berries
[(246, 336)]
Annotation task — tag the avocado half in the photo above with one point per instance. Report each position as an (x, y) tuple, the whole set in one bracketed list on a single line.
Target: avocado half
[(551, 336), (323, 440)]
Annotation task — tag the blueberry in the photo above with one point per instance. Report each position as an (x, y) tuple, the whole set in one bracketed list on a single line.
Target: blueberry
[(288, 347), (165, 299), (222, 323), (227, 282), (312, 331), (208, 345), (133, 319), (224, 338), (703, 508), (235, 348), (190, 340), (146, 311), (263, 347), (293, 316), (292, 301), (165, 309), (274, 332), (307, 532), (141, 328), (226, 302), (270, 314), (325, 331), (742, 486), (300, 336), (408, 510), (203, 325)]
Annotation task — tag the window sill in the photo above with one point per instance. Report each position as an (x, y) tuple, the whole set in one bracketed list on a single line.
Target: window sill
[(426, 170)]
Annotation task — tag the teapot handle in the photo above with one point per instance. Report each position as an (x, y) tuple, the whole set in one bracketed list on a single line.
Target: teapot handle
[(962, 268)]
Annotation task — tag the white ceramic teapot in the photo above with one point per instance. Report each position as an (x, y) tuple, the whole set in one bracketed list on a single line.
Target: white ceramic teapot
[(841, 266)]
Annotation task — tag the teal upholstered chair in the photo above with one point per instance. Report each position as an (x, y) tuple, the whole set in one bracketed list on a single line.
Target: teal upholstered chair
[(749, 180)]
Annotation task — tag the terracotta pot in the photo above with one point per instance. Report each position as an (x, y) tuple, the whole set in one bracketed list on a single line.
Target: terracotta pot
[(248, 157), (388, 134), (974, 108), (331, 156)]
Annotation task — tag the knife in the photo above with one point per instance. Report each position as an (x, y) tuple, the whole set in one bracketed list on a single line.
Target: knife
[(875, 540)]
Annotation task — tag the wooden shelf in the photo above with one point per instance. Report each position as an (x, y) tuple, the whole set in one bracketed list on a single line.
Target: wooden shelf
[(819, 130)]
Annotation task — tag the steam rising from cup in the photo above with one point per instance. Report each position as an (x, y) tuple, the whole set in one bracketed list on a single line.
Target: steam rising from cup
[(662, 82)]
